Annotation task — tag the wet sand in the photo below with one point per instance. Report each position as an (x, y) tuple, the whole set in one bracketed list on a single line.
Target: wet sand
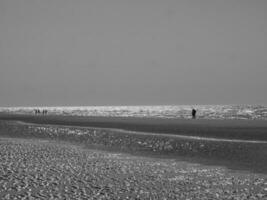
[(233, 154), (227, 129), (43, 169)]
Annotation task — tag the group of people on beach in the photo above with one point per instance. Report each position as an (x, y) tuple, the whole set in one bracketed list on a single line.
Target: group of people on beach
[(38, 111)]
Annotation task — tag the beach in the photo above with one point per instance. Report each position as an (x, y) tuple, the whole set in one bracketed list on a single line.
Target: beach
[(70, 157), (41, 169), (230, 129), (133, 100)]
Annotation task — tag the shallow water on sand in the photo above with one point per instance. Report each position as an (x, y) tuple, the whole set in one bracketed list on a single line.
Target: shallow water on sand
[(168, 111)]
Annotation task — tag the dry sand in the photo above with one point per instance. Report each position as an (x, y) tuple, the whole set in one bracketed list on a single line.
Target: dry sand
[(42, 169)]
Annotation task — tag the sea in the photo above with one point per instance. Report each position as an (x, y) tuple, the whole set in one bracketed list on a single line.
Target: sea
[(246, 112)]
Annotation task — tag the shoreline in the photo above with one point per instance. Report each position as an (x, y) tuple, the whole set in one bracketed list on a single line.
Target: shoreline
[(204, 128), (175, 136)]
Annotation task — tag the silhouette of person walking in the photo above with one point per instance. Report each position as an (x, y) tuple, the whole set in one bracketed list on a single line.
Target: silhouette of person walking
[(194, 112)]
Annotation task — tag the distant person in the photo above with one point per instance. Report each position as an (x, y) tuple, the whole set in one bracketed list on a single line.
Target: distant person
[(194, 112)]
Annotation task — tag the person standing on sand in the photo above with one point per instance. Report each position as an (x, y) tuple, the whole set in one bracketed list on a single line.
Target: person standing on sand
[(194, 112)]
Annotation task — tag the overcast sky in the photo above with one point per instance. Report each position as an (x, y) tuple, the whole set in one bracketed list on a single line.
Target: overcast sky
[(132, 52)]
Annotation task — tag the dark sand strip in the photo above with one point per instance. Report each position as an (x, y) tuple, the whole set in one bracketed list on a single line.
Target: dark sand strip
[(174, 136), (227, 129)]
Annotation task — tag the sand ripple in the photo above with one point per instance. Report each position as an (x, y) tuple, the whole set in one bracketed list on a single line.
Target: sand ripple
[(42, 169)]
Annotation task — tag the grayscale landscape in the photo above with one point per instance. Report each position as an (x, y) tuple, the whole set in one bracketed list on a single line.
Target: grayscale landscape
[(143, 99)]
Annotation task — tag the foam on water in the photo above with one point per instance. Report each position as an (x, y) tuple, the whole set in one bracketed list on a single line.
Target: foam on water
[(175, 111)]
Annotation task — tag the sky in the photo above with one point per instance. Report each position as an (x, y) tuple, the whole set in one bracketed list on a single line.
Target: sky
[(125, 52)]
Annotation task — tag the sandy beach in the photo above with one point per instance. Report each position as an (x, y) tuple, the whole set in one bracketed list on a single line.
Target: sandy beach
[(117, 158), (229, 129), (133, 100), (41, 169)]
